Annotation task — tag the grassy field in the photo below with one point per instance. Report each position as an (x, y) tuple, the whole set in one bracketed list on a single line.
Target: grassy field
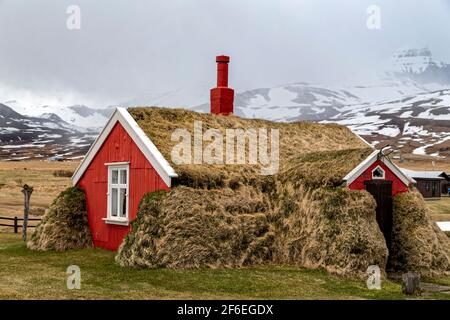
[(420, 162), (25, 274), (42, 275), (440, 209), (38, 174)]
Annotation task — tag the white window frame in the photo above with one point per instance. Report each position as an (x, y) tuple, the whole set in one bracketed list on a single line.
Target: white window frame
[(379, 178), (110, 219)]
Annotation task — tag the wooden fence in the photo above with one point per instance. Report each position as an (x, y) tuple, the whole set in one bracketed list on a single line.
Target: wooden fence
[(15, 222)]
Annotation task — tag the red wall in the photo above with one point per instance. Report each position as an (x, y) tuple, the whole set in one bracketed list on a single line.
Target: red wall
[(397, 185), (118, 147)]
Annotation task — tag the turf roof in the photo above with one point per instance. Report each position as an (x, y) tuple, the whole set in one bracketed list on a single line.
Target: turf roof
[(318, 154)]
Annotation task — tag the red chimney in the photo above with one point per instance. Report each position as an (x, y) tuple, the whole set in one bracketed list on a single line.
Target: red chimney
[(222, 97)]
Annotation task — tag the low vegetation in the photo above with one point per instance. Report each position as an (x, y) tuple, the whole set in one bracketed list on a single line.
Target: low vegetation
[(417, 243), (231, 216), (295, 138), (333, 229), (194, 228), (274, 222), (225, 216), (26, 274), (63, 173), (439, 208), (317, 169), (65, 226), (39, 175)]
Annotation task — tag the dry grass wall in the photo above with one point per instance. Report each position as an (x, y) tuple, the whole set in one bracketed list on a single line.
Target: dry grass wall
[(417, 243), (333, 229), (192, 228), (293, 218), (65, 225), (228, 216)]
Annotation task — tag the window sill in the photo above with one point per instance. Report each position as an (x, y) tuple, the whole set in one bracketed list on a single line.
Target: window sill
[(117, 222)]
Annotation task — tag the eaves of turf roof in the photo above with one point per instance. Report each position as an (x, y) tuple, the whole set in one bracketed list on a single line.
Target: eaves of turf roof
[(315, 153)]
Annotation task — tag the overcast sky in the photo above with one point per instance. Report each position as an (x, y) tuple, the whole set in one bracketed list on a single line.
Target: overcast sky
[(129, 49)]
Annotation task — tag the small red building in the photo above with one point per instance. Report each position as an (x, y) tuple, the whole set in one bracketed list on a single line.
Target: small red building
[(383, 179), (123, 165), (378, 169)]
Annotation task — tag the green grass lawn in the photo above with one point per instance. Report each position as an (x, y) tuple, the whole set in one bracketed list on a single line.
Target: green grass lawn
[(26, 274), (440, 208)]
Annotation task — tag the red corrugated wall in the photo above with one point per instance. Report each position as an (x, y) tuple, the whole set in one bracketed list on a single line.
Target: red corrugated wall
[(118, 147), (397, 185)]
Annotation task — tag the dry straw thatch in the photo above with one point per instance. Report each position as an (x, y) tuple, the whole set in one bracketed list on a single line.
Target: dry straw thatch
[(191, 228), (230, 216), (333, 229), (417, 243), (295, 139), (65, 225)]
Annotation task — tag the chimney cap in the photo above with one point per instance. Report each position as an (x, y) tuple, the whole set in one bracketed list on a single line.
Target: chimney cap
[(223, 59)]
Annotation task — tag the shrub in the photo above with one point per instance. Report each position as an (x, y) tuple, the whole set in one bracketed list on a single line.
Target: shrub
[(37, 211), (192, 228), (63, 173), (334, 229), (418, 244), (65, 225)]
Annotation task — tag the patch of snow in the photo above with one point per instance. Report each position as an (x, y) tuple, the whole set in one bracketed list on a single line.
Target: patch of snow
[(8, 130), (444, 225), (30, 145), (389, 131), (50, 136)]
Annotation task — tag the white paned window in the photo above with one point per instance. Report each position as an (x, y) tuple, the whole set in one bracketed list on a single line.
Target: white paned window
[(378, 173), (118, 192)]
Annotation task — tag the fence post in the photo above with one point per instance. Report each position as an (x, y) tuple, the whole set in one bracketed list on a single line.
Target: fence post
[(16, 226), (27, 191)]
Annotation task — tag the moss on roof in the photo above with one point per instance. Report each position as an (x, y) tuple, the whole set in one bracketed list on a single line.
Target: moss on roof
[(316, 153), (323, 168)]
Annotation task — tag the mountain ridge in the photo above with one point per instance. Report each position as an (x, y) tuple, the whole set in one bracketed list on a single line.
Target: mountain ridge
[(407, 108)]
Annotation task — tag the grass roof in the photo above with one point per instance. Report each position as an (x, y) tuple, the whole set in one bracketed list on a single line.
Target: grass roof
[(312, 150)]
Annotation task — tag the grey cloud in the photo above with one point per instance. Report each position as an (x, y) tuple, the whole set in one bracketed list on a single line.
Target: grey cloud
[(136, 48)]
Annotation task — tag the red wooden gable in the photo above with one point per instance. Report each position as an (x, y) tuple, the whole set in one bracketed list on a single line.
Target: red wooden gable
[(397, 184), (143, 178)]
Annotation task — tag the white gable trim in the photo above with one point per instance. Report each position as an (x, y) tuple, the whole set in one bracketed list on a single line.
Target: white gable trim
[(143, 142), (363, 166)]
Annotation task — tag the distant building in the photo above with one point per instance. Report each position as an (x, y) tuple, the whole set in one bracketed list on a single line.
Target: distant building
[(56, 158), (431, 184)]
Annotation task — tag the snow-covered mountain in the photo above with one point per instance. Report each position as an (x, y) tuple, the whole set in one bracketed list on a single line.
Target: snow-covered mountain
[(419, 65), (413, 118), (408, 107), (24, 137), (77, 115), (418, 124)]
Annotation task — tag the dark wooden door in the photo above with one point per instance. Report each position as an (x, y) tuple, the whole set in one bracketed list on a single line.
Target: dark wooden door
[(382, 192), (436, 189)]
